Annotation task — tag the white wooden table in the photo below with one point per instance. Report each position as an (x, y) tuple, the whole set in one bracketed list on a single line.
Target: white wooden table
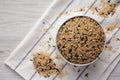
[(17, 17)]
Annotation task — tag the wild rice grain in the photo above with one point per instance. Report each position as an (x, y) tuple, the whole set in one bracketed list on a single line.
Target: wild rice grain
[(80, 40)]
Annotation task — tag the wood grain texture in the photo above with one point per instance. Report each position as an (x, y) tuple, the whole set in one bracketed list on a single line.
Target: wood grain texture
[(17, 17)]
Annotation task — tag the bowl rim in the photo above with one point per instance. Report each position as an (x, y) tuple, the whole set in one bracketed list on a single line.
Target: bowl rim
[(85, 63)]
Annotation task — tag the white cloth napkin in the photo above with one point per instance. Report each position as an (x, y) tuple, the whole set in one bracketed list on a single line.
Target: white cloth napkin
[(46, 29)]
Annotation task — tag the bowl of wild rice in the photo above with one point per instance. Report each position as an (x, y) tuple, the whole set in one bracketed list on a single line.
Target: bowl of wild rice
[(80, 40)]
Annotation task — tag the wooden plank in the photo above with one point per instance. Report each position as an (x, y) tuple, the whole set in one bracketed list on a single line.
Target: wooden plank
[(17, 17)]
